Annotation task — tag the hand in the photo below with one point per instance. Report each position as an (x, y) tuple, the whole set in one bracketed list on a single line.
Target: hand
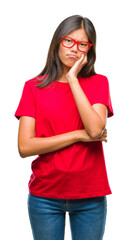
[(84, 137), (104, 136), (73, 72)]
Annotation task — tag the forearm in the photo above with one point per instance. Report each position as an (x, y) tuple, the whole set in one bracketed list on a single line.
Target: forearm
[(91, 120), (36, 146)]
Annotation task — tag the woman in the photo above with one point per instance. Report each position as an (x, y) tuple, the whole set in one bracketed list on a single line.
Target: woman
[(62, 116)]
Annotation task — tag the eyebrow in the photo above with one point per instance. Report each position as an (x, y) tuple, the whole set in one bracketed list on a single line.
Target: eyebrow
[(77, 40)]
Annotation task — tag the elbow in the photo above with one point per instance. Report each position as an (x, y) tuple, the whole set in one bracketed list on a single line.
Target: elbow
[(22, 151), (96, 133), (22, 155)]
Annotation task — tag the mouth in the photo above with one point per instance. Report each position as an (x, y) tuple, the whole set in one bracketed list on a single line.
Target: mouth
[(72, 56)]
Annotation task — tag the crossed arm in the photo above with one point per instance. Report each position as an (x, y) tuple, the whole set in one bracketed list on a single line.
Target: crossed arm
[(30, 145), (93, 118)]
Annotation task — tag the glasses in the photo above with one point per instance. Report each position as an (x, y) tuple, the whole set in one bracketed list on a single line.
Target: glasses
[(81, 45)]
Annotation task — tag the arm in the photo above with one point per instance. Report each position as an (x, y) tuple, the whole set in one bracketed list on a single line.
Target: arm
[(93, 117), (30, 145)]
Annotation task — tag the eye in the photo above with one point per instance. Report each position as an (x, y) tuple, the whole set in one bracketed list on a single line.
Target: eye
[(68, 40), (83, 44)]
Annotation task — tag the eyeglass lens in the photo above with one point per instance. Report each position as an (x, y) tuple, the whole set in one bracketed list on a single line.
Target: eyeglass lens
[(83, 46)]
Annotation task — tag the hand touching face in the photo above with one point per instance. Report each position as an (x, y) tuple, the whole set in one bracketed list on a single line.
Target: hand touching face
[(73, 72), (69, 56)]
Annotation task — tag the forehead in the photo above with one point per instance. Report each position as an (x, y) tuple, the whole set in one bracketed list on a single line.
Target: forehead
[(79, 35)]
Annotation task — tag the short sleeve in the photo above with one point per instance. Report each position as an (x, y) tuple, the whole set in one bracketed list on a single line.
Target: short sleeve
[(102, 95), (26, 105)]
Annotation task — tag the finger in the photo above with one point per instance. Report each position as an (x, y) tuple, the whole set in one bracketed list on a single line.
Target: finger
[(85, 60), (79, 63), (105, 140), (104, 134), (82, 56), (81, 59)]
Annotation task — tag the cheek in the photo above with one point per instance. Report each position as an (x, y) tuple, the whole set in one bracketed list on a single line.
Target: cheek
[(63, 58), (62, 52)]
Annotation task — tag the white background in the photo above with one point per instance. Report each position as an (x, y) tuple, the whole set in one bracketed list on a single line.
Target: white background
[(27, 27)]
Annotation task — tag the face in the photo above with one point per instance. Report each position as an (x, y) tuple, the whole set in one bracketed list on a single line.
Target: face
[(69, 56)]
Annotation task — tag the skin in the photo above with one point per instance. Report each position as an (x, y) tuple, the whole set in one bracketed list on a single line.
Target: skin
[(73, 60), (93, 117)]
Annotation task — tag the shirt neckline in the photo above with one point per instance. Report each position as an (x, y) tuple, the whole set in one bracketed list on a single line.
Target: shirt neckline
[(65, 83), (61, 82)]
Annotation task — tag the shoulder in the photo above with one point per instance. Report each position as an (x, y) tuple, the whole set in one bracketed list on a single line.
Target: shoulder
[(31, 82), (98, 78), (34, 81), (30, 87), (95, 81)]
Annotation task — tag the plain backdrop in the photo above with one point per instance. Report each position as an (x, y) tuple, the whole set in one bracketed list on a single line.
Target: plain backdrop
[(27, 27)]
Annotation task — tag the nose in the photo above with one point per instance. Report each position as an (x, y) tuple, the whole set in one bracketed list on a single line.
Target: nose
[(74, 48)]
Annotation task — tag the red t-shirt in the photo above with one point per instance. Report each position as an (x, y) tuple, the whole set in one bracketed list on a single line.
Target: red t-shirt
[(77, 171)]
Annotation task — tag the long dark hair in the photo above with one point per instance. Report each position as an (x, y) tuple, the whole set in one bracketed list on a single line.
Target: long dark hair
[(53, 68)]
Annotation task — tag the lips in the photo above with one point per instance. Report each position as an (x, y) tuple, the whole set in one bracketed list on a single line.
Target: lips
[(72, 56)]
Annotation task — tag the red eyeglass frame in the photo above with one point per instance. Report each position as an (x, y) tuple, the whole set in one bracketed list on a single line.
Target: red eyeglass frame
[(76, 42)]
